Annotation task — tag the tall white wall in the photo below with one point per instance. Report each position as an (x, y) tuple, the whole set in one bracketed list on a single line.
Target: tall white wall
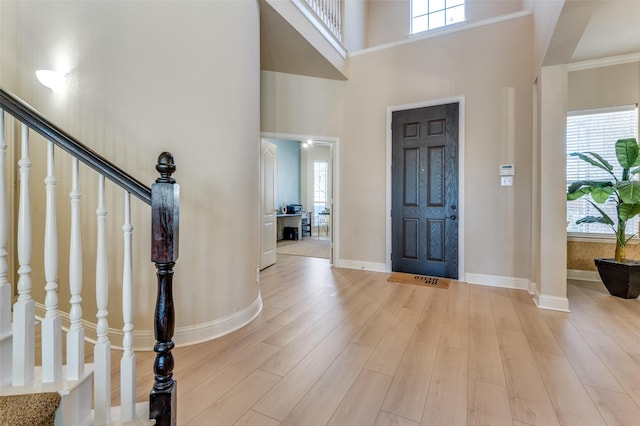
[(147, 77), (606, 86), (545, 17), (8, 44), (551, 291), (496, 84), (8, 63), (354, 24), (388, 21)]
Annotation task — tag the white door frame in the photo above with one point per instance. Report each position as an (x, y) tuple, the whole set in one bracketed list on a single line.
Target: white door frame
[(334, 144), (461, 208)]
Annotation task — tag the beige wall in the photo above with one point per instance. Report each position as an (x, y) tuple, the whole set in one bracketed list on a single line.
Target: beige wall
[(299, 105), (388, 20), (496, 84), (354, 28), (604, 86), (8, 44), (545, 17), (8, 64), (551, 289), (598, 88), (148, 77)]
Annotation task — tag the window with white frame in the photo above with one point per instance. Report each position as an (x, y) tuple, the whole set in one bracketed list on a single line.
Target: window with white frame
[(320, 187), (431, 14), (596, 131)]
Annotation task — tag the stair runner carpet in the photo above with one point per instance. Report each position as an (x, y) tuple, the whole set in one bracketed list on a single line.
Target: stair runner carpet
[(38, 409)]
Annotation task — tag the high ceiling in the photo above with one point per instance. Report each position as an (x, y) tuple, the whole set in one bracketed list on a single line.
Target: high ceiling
[(586, 30), (614, 29), (594, 29)]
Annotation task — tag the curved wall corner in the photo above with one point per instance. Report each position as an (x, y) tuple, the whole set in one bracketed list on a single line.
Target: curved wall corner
[(186, 81)]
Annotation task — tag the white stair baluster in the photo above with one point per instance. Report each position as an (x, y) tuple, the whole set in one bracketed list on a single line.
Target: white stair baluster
[(24, 308), (128, 361), (52, 323), (102, 350), (338, 19), (5, 287), (75, 336)]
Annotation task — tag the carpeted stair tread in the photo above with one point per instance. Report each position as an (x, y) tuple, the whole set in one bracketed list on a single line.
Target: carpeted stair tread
[(36, 409)]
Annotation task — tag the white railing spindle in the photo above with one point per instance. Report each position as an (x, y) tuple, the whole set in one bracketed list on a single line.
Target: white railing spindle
[(5, 287), (51, 324), (128, 361), (330, 13), (338, 17), (102, 350), (18, 321), (75, 336), (24, 308)]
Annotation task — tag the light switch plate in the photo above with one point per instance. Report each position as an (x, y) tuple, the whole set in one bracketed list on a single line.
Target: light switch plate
[(506, 180)]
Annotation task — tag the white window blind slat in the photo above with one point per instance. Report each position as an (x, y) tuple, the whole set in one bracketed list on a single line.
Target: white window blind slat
[(596, 131)]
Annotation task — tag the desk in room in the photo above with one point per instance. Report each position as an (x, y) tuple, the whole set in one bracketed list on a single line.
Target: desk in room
[(293, 220)]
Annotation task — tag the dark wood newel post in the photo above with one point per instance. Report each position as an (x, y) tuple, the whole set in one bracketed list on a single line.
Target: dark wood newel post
[(165, 213)]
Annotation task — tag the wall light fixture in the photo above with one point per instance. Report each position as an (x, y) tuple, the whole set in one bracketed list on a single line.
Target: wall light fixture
[(54, 80)]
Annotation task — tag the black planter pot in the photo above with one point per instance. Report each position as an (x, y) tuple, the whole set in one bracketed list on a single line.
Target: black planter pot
[(622, 279)]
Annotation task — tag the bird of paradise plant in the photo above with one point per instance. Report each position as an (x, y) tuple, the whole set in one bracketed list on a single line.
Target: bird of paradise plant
[(623, 189)]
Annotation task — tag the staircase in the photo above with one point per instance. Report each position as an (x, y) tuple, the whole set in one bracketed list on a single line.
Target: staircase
[(85, 389)]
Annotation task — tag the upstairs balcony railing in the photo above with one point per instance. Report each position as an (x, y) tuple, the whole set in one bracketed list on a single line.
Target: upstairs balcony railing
[(330, 14)]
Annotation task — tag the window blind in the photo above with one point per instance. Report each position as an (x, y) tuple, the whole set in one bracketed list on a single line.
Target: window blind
[(596, 131)]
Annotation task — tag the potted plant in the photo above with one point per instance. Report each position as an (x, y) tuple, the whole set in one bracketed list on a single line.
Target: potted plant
[(620, 275)]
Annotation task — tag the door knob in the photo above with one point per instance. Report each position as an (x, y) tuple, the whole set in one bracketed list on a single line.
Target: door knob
[(453, 217)]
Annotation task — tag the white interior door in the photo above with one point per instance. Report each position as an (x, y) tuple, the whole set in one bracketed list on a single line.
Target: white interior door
[(268, 170)]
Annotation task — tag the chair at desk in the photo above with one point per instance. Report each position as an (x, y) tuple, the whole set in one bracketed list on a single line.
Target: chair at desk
[(324, 218), (306, 224)]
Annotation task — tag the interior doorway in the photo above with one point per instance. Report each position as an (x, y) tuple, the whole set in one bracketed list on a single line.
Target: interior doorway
[(268, 206), (305, 201)]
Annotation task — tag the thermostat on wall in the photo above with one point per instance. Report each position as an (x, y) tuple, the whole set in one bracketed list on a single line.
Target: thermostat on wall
[(507, 170)]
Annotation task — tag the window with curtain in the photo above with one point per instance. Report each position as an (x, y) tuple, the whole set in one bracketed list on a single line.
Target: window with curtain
[(431, 14), (596, 131)]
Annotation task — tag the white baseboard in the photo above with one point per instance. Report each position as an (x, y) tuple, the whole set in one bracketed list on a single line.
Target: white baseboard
[(199, 333), (497, 281), (576, 274), (144, 340), (552, 303), (361, 265)]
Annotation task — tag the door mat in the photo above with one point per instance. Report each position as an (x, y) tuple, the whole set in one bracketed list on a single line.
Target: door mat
[(427, 281)]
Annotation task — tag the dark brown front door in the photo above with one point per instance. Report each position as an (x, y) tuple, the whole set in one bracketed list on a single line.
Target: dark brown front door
[(424, 198)]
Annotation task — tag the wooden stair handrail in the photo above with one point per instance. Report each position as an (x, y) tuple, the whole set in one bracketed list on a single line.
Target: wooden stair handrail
[(36, 121)]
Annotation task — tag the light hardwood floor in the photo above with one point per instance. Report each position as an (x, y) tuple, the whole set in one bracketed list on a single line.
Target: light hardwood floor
[(346, 347)]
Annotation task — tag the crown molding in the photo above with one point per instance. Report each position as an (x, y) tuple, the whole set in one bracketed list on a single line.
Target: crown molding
[(604, 62)]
